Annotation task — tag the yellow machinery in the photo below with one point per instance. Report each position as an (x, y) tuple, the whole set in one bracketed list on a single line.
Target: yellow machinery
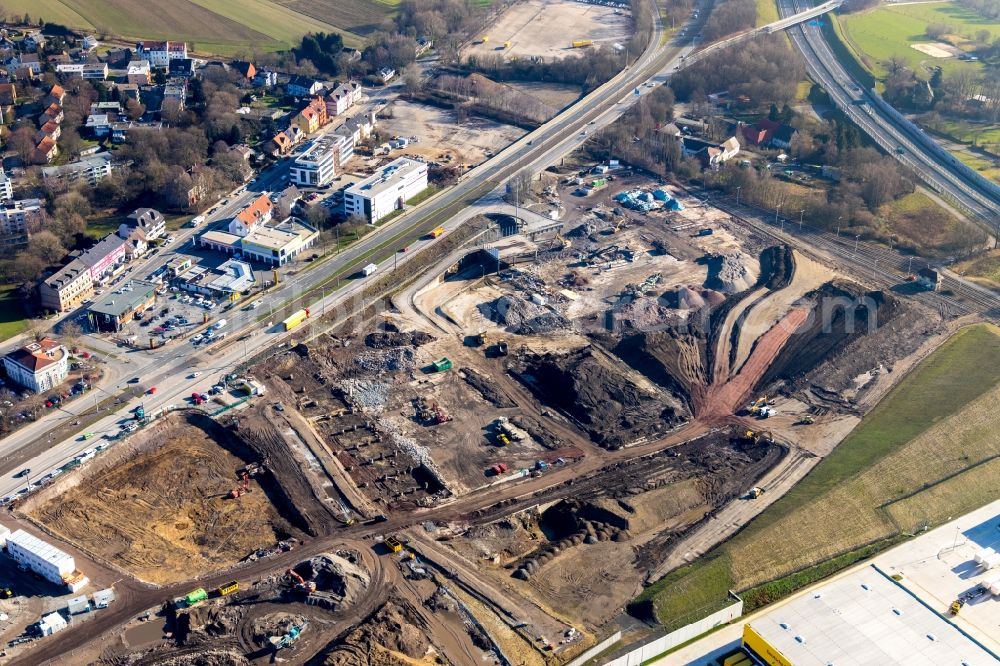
[(955, 607), (503, 440), (506, 45), (562, 241), (581, 43), (482, 339), (228, 588), (755, 492), (393, 544)]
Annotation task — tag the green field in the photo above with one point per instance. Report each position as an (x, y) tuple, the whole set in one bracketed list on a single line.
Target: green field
[(767, 12), (12, 321), (940, 421), (223, 27), (890, 31), (925, 227)]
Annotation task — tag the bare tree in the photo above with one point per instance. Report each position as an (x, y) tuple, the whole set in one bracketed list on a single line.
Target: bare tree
[(71, 333), (22, 142), (519, 187)]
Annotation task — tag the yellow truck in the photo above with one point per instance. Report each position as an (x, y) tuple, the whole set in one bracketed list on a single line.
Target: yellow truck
[(393, 544), (296, 319), (582, 43), (228, 588)]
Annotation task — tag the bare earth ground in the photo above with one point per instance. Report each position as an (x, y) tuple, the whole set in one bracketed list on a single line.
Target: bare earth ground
[(439, 133), (556, 95), (548, 28)]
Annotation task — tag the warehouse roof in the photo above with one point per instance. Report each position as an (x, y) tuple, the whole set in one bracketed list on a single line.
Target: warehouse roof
[(866, 618), (41, 549), (116, 304)]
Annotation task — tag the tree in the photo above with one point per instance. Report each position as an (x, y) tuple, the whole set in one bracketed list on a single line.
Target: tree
[(22, 142), (134, 108), (67, 226), (519, 187), (46, 246), (71, 333), (982, 36), (72, 202), (937, 30), (413, 78), (318, 216), (27, 267)]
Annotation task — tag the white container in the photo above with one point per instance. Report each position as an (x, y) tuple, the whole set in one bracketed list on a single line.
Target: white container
[(369, 269)]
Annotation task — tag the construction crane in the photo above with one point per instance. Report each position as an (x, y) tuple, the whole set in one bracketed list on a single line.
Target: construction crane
[(283, 641), (242, 487), (301, 583)]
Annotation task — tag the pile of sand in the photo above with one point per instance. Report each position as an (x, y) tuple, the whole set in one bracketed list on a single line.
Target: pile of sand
[(731, 273)]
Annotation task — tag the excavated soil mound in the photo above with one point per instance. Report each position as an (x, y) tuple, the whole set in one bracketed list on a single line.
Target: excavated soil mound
[(523, 317), (673, 359), (777, 266), (384, 339), (850, 331), (730, 273), (689, 297), (396, 626), (601, 398)]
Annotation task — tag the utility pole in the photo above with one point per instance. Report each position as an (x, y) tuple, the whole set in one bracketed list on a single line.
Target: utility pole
[(740, 187), (856, 239), (801, 213)]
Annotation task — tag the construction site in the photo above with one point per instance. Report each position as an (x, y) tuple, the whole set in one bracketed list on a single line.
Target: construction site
[(493, 466)]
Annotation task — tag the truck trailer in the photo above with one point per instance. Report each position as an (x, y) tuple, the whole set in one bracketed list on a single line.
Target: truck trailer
[(295, 319)]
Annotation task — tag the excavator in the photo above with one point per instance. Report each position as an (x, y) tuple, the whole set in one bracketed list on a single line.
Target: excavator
[(301, 583), (757, 436)]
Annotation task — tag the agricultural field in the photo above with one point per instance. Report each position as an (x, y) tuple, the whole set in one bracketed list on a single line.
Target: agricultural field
[(893, 30), (359, 17), (939, 422), (222, 27)]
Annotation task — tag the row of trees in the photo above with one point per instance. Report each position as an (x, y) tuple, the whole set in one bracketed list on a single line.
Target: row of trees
[(728, 17)]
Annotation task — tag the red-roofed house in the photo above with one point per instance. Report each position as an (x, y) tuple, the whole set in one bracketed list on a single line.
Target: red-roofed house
[(258, 212), (45, 151), (56, 95), (40, 366), (311, 118)]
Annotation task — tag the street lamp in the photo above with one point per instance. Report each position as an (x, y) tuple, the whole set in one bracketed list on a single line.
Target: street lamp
[(856, 239), (738, 188), (838, 225), (801, 213), (776, 209)]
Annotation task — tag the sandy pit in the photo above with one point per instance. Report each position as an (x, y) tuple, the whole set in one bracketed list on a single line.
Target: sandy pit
[(937, 49)]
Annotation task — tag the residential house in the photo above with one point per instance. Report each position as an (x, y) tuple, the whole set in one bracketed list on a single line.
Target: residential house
[(265, 78), (710, 154), (243, 150), (59, 58), (89, 43), (32, 61), (283, 142), (352, 54), (311, 118), (139, 72), (39, 366), (118, 58), (386, 74), (56, 95), (303, 86), (98, 124), (245, 69), (109, 108), (105, 257), (18, 219), (183, 67), (159, 54), (50, 128), (52, 112), (33, 41), (45, 151), (6, 186), (175, 90), (148, 222), (90, 170), (258, 212), (135, 245), (67, 287), (126, 90), (24, 73), (8, 94), (783, 137), (342, 98)]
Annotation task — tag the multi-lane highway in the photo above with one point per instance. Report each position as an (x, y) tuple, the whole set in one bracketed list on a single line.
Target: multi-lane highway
[(894, 133)]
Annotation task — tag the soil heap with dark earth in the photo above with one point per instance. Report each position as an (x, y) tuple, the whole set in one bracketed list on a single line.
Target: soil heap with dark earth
[(395, 627)]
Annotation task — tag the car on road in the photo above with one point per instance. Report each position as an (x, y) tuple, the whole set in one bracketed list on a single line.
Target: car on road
[(404, 248), (24, 472), (152, 390), (583, 133), (196, 339), (196, 374), (134, 380)]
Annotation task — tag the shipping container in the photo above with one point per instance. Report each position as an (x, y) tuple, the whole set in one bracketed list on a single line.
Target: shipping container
[(296, 319), (580, 43), (228, 588), (438, 232), (369, 269), (443, 364)]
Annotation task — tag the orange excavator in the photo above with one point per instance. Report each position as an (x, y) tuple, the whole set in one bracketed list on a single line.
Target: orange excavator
[(300, 582), (243, 486)]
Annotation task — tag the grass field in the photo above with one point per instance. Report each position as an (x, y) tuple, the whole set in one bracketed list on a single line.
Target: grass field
[(984, 269), (214, 26), (888, 31), (923, 226), (939, 421), (12, 321), (360, 17), (767, 12)]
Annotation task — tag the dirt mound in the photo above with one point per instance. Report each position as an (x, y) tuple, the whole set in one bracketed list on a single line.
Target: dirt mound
[(487, 388), (590, 389), (851, 331), (395, 627), (690, 297), (730, 273), (523, 317), (673, 359), (211, 657), (161, 507), (337, 574), (777, 266), (384, 339)]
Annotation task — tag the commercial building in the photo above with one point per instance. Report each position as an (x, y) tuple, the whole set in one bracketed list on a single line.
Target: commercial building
[(18, 219), (316, 166), (105, 257), (6, 186), (39, 366), (387, 189), (90, 170), (274, 244), (231, 277), (112, 311), (66, 288), (44, 559), (862, 618)]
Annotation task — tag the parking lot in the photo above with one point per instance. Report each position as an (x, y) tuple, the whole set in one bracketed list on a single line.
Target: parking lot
[(173, 317)]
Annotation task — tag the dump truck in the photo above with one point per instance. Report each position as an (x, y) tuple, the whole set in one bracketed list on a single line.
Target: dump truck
[(755, 492), (295, 319), (482, 339), (195, 597), (955, 607), (437, 232), (502, 349), (582, 43), (228, 588), (498, 469), (393, 544), (443, 364)]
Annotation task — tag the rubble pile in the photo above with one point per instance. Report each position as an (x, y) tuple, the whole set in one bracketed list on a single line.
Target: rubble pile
[(392, 359), (409, 446), (369, 394), (523, 317), (730, 273), (386, 339)]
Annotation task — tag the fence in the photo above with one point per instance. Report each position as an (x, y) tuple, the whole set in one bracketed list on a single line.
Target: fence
[(658, 646), (596, 650)]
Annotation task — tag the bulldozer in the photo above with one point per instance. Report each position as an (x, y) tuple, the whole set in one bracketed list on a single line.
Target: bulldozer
[(806, 420), (956, 606), (754, 492), (482, 339)]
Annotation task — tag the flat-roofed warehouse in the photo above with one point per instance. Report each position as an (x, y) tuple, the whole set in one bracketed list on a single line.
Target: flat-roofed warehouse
[(862, 619)]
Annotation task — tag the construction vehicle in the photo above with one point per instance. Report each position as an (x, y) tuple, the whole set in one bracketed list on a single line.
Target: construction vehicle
[(755, 492), (440, 416), (498, 469), (242, 488), (295, 319), (506, 45), (806, 420), (195, 597), (501, 347), (279, 642), (393, 544), (505, 428), (6, 593), (228, 588), (301, 583), (140, 413), (484, 39), (562, 241), (439, 231), (502, 439), (756, 436), (582, 43), (956, 606), (482, 339)]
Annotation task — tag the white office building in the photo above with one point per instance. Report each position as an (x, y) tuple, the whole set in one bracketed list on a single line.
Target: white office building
[(90, 170), (317, 165), (6, 186), (41, 557), (387, 189), (52, 623)]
